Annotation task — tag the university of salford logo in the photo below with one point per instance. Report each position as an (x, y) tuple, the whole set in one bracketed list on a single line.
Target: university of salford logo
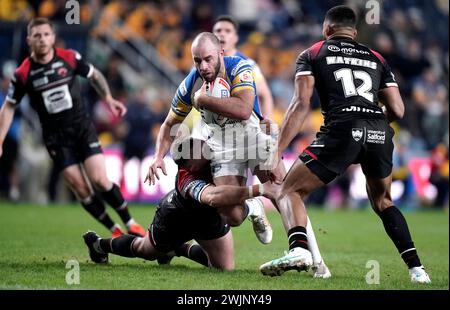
[(357, 133)]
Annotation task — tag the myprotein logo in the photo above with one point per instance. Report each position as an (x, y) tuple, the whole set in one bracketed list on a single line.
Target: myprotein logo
[(357, 134)]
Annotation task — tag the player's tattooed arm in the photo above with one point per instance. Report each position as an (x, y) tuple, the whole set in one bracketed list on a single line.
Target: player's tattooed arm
[(98, 81)]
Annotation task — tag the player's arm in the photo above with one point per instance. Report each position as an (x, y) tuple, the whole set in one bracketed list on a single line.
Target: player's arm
[(389, 93), (263, 92), (392, 100), (6, 116), (165, 138), (180, 108), (238, 106), (297, 111), (98, 81), (229, 195)]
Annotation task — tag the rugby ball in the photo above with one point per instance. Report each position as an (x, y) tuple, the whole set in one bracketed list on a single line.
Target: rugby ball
[(218, 88)]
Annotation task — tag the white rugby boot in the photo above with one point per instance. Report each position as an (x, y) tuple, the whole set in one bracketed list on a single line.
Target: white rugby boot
[(296, 259), (419, 275), (261, 225)]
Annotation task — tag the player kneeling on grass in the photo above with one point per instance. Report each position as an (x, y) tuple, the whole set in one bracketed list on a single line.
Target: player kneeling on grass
[(189, 212)]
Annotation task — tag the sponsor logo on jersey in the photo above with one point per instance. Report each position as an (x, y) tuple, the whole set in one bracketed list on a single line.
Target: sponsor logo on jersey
[(62, 72), (357, 134), (376, 136), (246, 76), (347, 44), (333, 48), (351, 51), (41, 81), (94, 145), (56, 96), (183, 89), (33, 72), (57, 64), (359, 109), (347, 50), (49, 72)]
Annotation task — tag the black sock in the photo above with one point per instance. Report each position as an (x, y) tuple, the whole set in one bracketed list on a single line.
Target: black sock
[(115, 199), (193, 252), (397, 229), (96, 208), (120, 246), (297, 238)]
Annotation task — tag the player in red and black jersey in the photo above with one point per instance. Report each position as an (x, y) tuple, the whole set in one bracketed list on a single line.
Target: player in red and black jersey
[(48, 76), (351, 79), (189, 212)]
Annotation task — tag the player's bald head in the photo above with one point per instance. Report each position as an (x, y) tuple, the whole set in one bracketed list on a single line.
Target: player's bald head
[(206, 40)]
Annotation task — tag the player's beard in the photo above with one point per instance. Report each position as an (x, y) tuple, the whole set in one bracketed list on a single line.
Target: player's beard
[(42, 51), (216, 72)]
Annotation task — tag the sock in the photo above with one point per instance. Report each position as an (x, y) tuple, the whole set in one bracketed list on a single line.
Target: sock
[(397, 229), (193, 252), (130, 222), (297, 238), (115, 199), (312, 244), (120, 246), (95, 207), (251, 208)]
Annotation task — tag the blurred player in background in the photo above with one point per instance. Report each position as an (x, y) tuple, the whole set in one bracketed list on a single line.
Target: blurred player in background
[(350, 79), (48, 76), (226, 28), (185, 213)]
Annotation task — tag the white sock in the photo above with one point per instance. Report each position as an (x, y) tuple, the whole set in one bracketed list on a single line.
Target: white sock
[(312, 243), (114, 227), (253, 209), (130, 222)]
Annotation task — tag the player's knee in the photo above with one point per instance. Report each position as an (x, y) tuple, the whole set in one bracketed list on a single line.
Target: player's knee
[(234, 218), (80, 188), (101, 182)]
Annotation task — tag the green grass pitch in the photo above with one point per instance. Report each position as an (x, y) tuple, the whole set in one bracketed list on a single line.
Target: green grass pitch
[(37, 242)]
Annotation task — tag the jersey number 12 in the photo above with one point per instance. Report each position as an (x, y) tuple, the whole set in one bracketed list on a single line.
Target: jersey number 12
[(347, 76)]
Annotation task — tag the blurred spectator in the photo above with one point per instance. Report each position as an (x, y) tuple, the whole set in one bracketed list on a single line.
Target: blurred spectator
[(9, 178), (439, 174)]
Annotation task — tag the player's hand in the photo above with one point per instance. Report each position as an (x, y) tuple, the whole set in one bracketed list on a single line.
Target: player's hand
[(275, 175), (153, 170), (268, 126), (271, 190), (199, 94), (117, 107)]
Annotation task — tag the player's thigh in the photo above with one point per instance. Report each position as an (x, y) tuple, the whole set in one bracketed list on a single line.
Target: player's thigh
[(76, 180), (229, 170), (230, 180), (233, 215), (300, 179), (376, 161), (220, 251), (95, 168)]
